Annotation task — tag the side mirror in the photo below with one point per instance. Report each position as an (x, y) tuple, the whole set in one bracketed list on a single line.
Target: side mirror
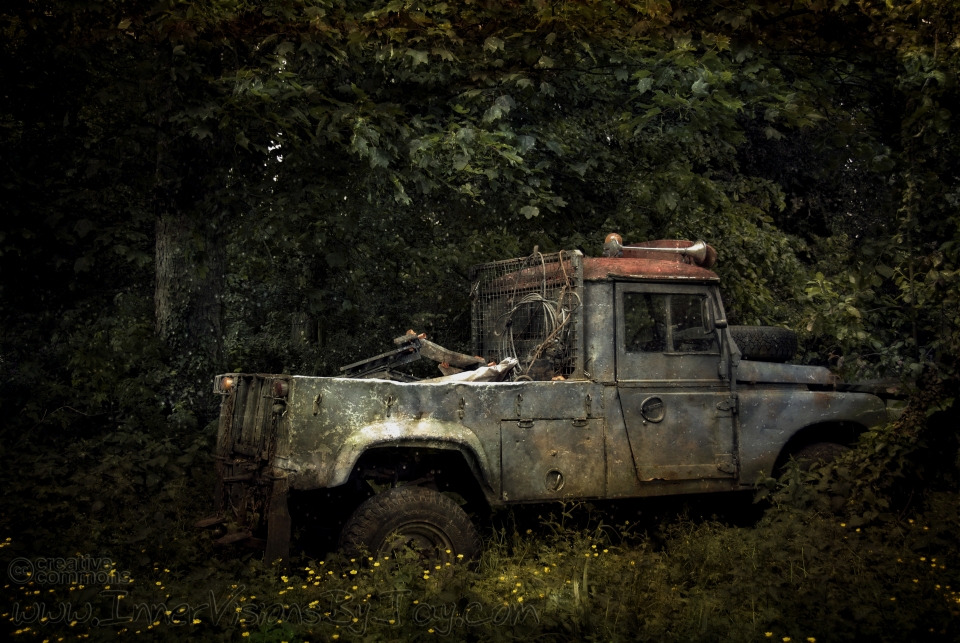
[(706, 314)]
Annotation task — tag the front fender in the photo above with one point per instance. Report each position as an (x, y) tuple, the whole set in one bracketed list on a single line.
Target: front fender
[(770, 417)]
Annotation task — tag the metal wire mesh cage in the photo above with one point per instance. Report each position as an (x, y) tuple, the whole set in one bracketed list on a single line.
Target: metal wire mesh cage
[(531, 309)]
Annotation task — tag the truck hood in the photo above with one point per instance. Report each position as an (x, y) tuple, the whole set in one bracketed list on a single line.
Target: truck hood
[(752, 372)]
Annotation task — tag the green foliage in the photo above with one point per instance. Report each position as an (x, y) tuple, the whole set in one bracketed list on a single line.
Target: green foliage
[(352, 160)]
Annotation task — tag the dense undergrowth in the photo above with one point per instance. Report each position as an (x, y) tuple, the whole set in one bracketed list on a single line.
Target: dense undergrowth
[(862, 550)]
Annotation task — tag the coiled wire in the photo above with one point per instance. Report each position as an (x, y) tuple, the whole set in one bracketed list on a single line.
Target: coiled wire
[(554, 317)]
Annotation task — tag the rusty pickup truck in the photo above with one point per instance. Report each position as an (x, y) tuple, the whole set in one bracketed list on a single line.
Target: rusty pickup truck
[(590, 378)]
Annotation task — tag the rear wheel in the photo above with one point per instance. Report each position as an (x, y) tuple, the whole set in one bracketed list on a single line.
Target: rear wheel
[(819, 452), (423, 519)]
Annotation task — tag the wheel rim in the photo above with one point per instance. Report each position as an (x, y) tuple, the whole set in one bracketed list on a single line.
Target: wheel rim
[(428, 540)]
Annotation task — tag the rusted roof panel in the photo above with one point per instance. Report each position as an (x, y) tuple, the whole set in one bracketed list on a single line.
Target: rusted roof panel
[(604, 268)]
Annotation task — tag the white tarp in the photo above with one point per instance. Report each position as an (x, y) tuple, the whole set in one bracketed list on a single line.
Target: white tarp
[(483, 374)]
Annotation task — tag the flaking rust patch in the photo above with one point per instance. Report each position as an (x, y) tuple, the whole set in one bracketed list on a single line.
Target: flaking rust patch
[(319, 455)]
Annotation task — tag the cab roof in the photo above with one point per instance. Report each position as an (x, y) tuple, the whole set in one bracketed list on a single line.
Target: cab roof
[(654, 260), (669, 268)]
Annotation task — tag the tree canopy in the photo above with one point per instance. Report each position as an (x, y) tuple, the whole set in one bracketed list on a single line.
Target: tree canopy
[(360, 145)]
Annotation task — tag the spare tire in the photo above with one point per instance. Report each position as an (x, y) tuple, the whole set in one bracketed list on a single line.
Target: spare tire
[(765, 343)]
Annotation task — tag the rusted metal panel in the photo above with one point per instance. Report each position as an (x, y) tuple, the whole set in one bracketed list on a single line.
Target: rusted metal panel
[(621, 474), (249, 415), (770, 416), (679, 434), (754, 372), (610, 269), (223, 450), (353, 415), (332, 421), (599, 332), (552, 459)]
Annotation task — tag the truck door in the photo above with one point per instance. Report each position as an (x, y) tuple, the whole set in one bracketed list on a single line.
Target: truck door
[(676, 407)]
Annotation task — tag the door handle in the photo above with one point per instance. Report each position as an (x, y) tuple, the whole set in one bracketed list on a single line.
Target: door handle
[(652, 409)]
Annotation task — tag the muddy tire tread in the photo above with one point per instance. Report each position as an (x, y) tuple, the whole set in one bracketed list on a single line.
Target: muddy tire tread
[(374, 515)]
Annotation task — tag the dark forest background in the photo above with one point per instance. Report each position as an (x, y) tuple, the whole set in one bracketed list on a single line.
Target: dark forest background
[(185, 184)]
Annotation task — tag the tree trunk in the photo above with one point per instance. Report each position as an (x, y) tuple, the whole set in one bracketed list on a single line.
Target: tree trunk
[(190, 266), (190, 261)]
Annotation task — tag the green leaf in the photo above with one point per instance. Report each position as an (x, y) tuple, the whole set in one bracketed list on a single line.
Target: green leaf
[(505, 102), (492, 44), (419, 57), (667, 201), (492, 114)]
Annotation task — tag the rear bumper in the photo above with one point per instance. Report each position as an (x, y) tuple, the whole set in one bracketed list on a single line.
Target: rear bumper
[(250, 497)]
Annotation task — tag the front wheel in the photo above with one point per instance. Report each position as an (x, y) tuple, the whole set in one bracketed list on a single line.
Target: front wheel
[(819, 452), (411, 516)]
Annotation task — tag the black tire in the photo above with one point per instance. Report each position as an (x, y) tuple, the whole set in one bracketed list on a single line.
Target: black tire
[(818, 452), (422, 518), (765, 343)]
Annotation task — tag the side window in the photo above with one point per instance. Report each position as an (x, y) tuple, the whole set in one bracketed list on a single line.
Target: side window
[(645, 320), (659, 323), (688, 330)]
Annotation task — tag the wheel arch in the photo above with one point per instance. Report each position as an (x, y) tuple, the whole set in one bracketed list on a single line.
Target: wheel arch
[(843, 432), (440, 436), (775, 420)]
